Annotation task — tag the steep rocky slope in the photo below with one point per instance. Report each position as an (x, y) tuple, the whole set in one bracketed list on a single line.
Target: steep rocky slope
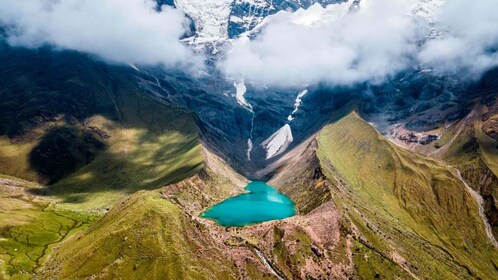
[(469, 145), (409, 216)]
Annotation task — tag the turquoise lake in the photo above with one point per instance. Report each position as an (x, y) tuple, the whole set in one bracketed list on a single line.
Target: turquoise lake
[(262, 203)]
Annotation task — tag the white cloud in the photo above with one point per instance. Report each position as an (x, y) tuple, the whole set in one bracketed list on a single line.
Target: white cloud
[(381, 39), (119, 31), (295, 49), (310, 46), (469, 41)]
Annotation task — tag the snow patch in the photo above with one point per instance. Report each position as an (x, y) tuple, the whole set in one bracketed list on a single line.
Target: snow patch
[(427, 8), (249, 149), (133, 66), (316, 15), (255, 3), (236, 19), (297, 103), (278, 142), (210, 18), (240, 90)]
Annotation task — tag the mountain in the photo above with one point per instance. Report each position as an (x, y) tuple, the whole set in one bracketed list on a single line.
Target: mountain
[(246, 15), (91, 135), (64, 111), (369, 205), (468, 144), (426, 197), (269, 121), (215, 22), (105, 170), (400, 210)]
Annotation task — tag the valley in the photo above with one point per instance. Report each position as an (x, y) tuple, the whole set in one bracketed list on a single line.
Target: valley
[(114, 170), (365, 207)]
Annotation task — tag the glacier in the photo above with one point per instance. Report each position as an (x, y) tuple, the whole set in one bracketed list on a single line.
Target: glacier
[(278, 142), (297, 103)]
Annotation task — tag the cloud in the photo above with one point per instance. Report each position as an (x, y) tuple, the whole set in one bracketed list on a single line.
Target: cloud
[(119, 31), (468, 44), (380, 39), (331, 44)]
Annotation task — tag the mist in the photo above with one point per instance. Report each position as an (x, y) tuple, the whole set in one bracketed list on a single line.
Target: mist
[(468, 44), (380, 39), (118, 31)]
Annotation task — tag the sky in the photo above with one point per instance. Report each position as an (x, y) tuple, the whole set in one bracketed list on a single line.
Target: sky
[(320, 45)]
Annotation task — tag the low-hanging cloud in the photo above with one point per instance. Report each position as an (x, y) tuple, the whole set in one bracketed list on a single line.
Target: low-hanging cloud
[(381, 39), (468, 44), (331, 44), (119, 31)]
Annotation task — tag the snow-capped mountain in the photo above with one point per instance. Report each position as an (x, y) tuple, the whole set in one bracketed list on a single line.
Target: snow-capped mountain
[(268, 121), (332, 113), (247, 14), (217, 21), (210, 18)]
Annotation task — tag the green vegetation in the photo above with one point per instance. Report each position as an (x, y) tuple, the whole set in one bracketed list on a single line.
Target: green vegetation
[(369, 264), (254, 271), (412, 210), (14, 159), (144, 236), (30, 227), (117, 140), (68, 148), (149, 152), (26, 246), (92, 135), (474, 153), (446, 137), (89, 127), (488, 150), (291, 260)]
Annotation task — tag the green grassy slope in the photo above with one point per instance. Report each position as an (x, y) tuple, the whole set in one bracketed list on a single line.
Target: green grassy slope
[(92, 135), (156, 146), (134, 158), (412, 210), (146, 237), (30, 227), (158, 234), (467, 147), (88, 129)]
